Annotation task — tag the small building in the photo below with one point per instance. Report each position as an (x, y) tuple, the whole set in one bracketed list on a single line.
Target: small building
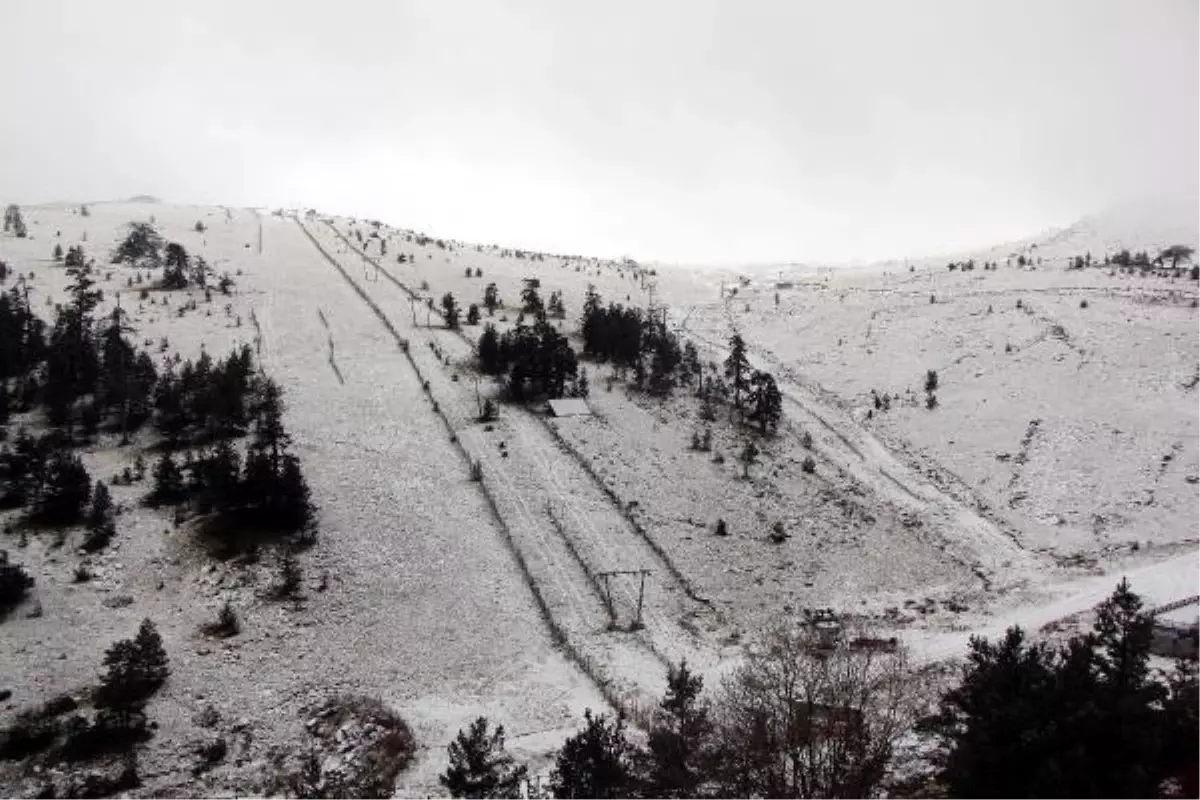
[(1177, 630), (569, 407)]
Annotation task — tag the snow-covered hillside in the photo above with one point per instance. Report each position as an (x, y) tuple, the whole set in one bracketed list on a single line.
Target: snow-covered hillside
[(1062, 452)]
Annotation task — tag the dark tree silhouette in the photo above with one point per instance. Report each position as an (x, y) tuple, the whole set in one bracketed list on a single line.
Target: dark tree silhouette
[(140, 248), (480, 766), (134, 670), (766, 402), (737, 368), (14, 583), (491, 299), (680, 753), (596, 762), (450, 310)]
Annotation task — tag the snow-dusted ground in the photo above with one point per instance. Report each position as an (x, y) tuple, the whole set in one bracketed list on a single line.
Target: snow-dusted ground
[(425, 607), (1040, 478)]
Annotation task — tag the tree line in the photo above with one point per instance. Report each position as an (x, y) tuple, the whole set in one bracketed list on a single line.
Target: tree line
[(87, 376), (806, 717)]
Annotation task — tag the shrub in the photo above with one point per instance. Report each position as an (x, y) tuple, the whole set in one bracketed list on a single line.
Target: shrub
[(931, 380), (226, 624), (14, 584), (808, 466)]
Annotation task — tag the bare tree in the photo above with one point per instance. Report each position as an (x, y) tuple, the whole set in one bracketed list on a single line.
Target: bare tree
[(807, 716)]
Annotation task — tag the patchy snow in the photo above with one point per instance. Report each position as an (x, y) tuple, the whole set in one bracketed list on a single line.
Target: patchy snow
[(1061, 455)]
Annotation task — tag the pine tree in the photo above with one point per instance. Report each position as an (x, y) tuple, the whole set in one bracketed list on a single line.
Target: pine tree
[(480, 766), (101, 525), (134, 670), (766, 402), (141, 247), (531, 301), (489, 350), (1086, 720), (680, 752), (168, 482), (450, 310), (74, 257), (58, 251), (222, 473), (737, 368), (473, 314), (596, 762), (491, 299), (66, 490), (175, 267), (294, 509)]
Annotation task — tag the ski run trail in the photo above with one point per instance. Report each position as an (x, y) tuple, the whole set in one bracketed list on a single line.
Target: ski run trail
[(564, 530)]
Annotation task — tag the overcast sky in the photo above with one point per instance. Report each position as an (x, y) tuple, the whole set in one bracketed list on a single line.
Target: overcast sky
[(682, 131)]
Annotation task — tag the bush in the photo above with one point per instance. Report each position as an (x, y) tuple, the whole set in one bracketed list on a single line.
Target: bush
[(14, 584), (226, 624), (808, 466)]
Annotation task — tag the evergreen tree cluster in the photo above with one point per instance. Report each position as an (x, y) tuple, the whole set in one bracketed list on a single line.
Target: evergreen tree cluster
[(1123, 258), (90, 373), (634, 340), (1087, 719), (143, 247), (83, 371), (202, 401), (75, 256), (536, 360), (803, 718), (134, 670), (22, 335), (44, 476), (755, 392), (265, 490)]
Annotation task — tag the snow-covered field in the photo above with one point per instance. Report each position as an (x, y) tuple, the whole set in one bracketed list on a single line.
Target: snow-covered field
[(1062, 453)]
